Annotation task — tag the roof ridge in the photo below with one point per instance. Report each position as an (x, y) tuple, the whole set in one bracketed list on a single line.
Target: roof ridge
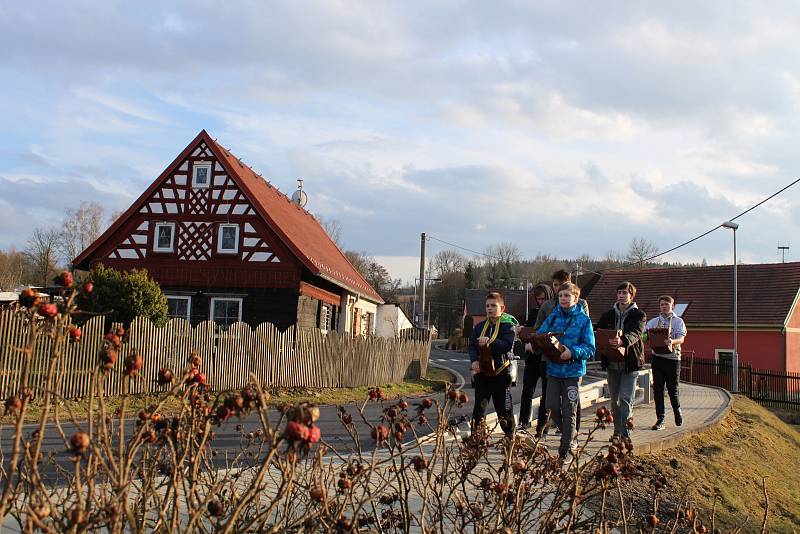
[(317, 262)]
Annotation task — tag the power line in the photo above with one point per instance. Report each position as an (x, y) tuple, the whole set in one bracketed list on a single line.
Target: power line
[(463, 248), (748, 210)]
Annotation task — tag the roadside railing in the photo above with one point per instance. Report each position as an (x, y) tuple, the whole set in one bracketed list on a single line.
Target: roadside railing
[(772, 388)]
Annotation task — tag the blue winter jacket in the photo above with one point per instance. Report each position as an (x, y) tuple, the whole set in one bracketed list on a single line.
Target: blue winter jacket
[(578, 337)]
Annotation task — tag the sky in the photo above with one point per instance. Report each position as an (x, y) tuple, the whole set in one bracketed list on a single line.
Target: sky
[(567, 128)]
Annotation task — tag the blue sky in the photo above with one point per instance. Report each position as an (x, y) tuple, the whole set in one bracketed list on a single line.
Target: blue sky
[(567, 128)]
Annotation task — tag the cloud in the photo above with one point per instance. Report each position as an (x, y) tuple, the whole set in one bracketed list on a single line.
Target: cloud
[(566, 127)]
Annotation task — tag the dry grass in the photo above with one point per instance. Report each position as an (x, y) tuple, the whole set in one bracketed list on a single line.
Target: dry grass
[(729, 461), (435, 381)]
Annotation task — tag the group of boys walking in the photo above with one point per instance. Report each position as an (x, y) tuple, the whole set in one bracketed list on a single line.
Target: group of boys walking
[(562, 311)]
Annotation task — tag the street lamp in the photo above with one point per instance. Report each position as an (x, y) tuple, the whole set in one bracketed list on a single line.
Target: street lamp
[(527, 289), (422, 304), (735, 378)]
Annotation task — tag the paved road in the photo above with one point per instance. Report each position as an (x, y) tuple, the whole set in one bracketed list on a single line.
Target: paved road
[(230, 437)]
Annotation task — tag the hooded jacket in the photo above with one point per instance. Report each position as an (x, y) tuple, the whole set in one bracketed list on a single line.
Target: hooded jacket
[(578, 338), (549, 305), (633, 322), (502, 346)]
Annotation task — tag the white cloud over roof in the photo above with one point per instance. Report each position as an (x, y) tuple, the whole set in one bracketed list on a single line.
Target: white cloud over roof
[(573, 127)]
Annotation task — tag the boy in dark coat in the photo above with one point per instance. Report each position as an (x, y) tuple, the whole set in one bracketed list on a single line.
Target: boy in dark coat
[(629, 322), (497, 332)]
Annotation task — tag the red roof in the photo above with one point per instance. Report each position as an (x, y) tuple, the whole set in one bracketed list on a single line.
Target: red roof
[(296, 227), (767, 292)]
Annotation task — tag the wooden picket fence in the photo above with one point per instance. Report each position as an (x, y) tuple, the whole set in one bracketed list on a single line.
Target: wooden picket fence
[(293, 358)]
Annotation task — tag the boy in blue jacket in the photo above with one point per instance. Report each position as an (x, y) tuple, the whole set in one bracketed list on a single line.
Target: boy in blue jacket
[(497, 332), (564, 377)]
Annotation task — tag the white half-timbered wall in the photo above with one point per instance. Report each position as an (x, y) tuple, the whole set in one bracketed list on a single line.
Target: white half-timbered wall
[(176, 200)]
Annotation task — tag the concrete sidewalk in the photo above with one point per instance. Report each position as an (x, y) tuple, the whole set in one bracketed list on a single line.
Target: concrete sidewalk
[(702, 407)]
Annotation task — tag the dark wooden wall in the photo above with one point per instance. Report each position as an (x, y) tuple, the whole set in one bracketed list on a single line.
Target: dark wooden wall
[(260, 305)]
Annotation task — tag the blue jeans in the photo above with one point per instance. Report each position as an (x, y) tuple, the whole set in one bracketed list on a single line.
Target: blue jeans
[(621, 387)]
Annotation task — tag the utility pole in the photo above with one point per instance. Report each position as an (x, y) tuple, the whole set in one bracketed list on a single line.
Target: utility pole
[(422, 277), (783, 249)]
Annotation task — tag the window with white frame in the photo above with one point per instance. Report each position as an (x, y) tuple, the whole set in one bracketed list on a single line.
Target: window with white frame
[(228, 238), (201, 174), (724, 358), (325, 317), (179, 307), (164, 237), (226, 310)]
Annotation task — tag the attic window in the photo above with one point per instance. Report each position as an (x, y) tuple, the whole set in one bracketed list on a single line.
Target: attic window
[(679, 309), (201, 174), (228, 240), (164, 239)]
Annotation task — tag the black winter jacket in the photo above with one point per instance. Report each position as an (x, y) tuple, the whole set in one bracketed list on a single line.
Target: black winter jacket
[(502, 347), (632, 330)]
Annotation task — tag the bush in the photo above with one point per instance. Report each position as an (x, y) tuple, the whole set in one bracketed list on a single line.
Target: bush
[(123, 296), (404, 469)]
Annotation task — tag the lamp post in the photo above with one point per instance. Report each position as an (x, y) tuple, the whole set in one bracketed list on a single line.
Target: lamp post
[(423, 287), (527, 289), (735, 377)]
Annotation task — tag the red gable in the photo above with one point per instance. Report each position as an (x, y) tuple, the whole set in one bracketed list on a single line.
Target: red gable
[(296, 228), (767, 292)]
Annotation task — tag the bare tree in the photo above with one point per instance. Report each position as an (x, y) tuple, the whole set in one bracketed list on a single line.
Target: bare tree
[(639, 250), (505, 252), (79, 229), (112, 218), (502, 260), (333, 227), (42, 253), (446, 262), (376, 274), (13, 269)]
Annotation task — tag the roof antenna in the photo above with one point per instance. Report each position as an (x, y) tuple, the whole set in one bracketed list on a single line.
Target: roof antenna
[(300, 197)]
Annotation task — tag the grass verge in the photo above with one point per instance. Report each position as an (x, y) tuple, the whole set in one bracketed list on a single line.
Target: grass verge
[(435, 381), (729, 461)]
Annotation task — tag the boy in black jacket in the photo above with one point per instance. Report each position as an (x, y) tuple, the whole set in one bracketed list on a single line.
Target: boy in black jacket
[(498, 333), (629, 320)]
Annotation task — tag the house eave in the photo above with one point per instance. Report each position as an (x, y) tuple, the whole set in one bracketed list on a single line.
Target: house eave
[(350, 288)]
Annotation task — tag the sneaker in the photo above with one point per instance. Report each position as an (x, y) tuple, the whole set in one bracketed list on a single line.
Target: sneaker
[(659, 424), (615, 437), (523, 428), (678, 417), (573, 447)]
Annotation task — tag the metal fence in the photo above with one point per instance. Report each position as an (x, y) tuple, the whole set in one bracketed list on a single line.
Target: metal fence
[(771, 388)]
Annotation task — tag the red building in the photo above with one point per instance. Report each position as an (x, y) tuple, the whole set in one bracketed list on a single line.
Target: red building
[(769, 320), (226, 245)]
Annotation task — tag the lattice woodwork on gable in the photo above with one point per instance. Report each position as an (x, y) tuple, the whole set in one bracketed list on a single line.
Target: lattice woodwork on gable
[(197, 202), (202, 151), (227, 198), (177, 196), (169, 198), (255, 249), (133, 246), (194, 240)]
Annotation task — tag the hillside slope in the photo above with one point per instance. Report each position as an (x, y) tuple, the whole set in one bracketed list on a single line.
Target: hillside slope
[(730, 460)]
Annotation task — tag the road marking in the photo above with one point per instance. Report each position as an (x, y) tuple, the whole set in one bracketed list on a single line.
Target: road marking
[(457, 360)]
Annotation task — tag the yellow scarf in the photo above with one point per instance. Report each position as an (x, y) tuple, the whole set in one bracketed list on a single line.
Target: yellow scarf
[(493, 337), (486, 327)]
